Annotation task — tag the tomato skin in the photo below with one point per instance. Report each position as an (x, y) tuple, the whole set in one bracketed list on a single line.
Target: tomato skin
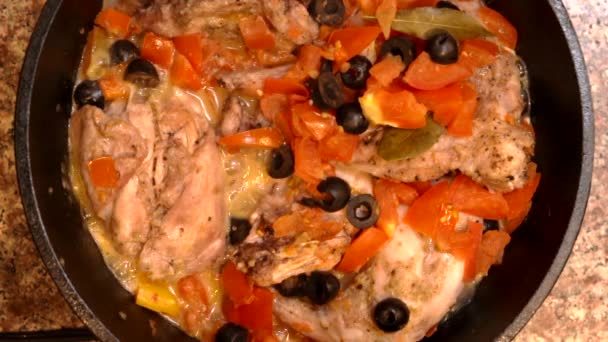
[(114, 22), (472, 198), (387, 70), (445, 103), (191, 46), (424, 74), (477, 53), (389, 195), (237, 286), (256, 33), (103, 172), (465, 246), (309, 62), (519, 200), (157, 50), (362, 249), (308, 164), (353, 40), (261, 137), (462, 124), (183, 74), (339, 146), (498, 25), (491, 249)]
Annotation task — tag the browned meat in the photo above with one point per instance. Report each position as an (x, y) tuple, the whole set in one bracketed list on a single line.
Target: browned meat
[(427, 281), (291, 18), (241, 116), (188, 228), (129, 139), (496, 155)]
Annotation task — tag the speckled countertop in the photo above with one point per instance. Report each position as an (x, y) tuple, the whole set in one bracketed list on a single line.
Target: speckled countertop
[(576, 310)]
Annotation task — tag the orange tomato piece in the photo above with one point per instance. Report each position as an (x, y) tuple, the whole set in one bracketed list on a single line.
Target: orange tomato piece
[(282, 121), (256, 315), (472, 198), (498, 25), (389, 195), (511, 224), (362, 249), (445, 103), (192, 290), (402, 4), (339, 146), (430, 214), (157, 50), (115, 22), (420, 186), (424, 74), (114, 88), (462, 124), (308, 63), (368, 6), (319, 125), (260, 137), (387, 70), (183, 74), (237, 286), (477, 53), (308, 164), (256, 33), (401, 109), (285, 86), (191, 46), (353, 40), (103, 172), (272, 105), (465, 246), (491, 249), (519, 200), (385, 14)]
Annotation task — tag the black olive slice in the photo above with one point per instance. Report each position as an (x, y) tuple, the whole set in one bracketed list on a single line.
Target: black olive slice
[(442, 47), (142, 73), (231, 332), (399, 46), (122, 51), (322, 287), (89, 93), (362, 211), (239, 230), (281, 162), (337, 193), (328, 92), (327, 12), (391, 314), (350, 117), (358, 72)]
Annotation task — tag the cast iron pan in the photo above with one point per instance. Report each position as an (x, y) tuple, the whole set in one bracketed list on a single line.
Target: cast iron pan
[(505, 300)]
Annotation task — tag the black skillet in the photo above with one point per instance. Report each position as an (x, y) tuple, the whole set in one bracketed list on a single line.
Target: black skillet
[(505, 300)]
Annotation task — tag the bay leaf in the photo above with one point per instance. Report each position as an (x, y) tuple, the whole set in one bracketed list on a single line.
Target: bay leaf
[(397, 143), (421, 21)]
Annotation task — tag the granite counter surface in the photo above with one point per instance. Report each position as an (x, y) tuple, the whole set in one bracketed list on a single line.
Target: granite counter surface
[(576, 309)]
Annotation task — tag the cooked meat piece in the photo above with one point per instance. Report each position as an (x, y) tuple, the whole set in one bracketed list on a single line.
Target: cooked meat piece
[(188, 226), (407, 268), (252, 79), (291, 18), (274, 259), (174, 17), (496, 155), (241, 116), (128, 137), (130, 6)]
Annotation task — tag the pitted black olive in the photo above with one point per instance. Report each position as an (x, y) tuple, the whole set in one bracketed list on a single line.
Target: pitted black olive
[(281, 162), (362, 211), (322, 287), (89, 93), (350, 117), (239, 230), (358, 72), (142, 73), (231, 332), (490, 225), (391, 314), (337, 194), (294, 286), (327, 92), (326, 65), (446, 4), (122, 51), (327, 12), (399, 46), (442, 47)]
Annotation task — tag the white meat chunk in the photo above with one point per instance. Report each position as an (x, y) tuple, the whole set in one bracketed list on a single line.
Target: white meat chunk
[(188, 228), (291, 18), (496, 155), (128, 138), (407, 268)]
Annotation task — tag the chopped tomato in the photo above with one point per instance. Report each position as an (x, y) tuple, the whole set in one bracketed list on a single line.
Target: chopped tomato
[(420, 186), (183, 74), (285, 86), (237, 286), (405, 193), (400, 109), (385, 14), (477, 53), (282, 121), (114, 88), (272, 105), (511, 224), (445, 103), (352, 41), (389, 195), (274, 57), (256, 33), (319, 125), (519, 200), (462, 124), (157, 50), (431, 213), (363, 248), (339, 146), (368, 6), (308, 63), (402, 4), (192, 290), (103, 172), (191, 46), (498, 25), (115, 22), (424, 74), (465, 246), (491, 249), (260, 137), (387, 70), (308, 164), (472, 198), (256, 315)]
